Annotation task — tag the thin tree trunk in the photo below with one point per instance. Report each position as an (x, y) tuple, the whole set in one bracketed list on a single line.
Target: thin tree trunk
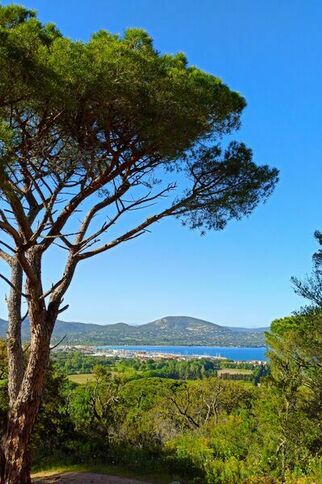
[(14, 345)]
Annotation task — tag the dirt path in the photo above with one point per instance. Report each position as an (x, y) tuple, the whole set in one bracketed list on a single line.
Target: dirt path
[(85, 478)]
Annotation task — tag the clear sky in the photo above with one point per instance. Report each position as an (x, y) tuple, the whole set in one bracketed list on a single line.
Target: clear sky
[(271, 53)]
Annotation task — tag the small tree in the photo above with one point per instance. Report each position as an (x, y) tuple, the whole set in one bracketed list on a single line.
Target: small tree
[(295, 382), (92, 133)]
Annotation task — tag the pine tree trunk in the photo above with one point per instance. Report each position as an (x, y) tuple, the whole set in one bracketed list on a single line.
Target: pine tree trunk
[(24, 409), (22, 415), (16, 445), (26, 388), (14, 344)]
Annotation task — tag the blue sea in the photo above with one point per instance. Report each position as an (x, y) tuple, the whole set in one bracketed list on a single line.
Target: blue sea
[(233, 353)]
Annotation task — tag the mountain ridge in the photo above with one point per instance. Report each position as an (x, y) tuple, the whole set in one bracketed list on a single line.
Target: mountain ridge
[(169, 330)]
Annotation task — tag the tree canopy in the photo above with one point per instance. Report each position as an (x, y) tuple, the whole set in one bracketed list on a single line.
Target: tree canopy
[(114, 117), (98, 141)]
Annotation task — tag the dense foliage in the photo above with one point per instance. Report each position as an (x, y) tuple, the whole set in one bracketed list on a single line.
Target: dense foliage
[(133, 368), (178, 418)]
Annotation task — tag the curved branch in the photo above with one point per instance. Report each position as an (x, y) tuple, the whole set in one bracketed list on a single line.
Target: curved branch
[(13, 286)]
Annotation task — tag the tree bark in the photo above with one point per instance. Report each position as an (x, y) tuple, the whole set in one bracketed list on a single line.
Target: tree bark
[(24, 409), (14, 345)]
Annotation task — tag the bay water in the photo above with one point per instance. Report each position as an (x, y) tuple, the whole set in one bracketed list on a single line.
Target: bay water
[(233, 353)]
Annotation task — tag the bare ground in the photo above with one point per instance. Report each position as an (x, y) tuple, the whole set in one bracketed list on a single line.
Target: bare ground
[(85, 477)]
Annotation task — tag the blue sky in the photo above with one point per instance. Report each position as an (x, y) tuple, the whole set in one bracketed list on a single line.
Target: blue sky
[(271, 53)]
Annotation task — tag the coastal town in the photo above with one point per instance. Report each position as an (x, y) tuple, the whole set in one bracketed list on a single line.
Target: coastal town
[(145, 354)]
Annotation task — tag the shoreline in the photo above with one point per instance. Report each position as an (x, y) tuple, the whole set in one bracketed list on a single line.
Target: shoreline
[(177, 352)]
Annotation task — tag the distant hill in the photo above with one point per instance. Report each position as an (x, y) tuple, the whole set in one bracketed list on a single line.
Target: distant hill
[(171, 330)]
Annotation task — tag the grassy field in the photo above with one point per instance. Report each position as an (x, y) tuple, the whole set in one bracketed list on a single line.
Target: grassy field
[(234, 371), (81, 378)]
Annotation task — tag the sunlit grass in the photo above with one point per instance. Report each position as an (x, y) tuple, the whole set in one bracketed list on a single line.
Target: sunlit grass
[(234, 371), (81, 378)]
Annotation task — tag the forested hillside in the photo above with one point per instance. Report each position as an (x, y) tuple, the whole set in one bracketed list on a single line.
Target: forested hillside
[(175, 330)]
